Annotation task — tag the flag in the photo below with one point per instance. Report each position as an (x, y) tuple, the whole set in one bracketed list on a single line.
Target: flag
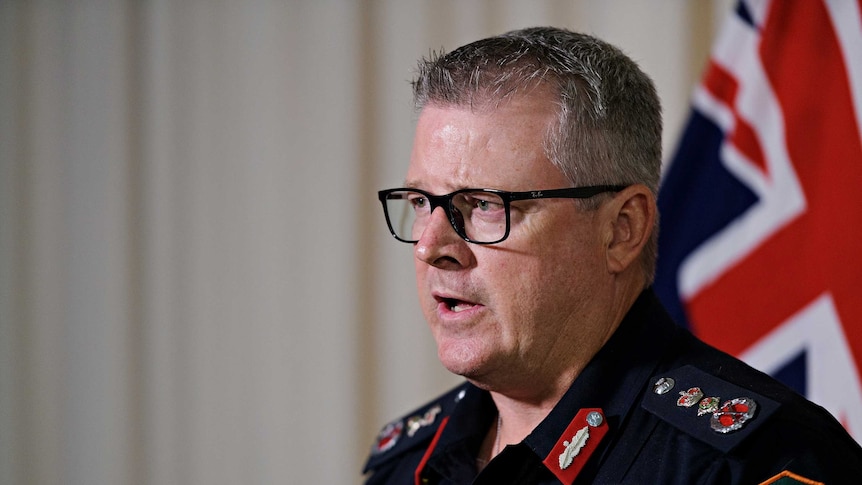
[(760, 249)]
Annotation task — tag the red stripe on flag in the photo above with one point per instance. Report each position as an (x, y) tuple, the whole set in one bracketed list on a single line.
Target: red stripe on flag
[(819, 251), (722, 85)]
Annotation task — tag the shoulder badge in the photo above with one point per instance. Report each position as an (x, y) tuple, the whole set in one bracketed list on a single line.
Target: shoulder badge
[(712, 410), (789, 478), (413, 430), (388, 437)]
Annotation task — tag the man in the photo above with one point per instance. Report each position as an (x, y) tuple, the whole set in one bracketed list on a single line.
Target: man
[(530, 201)]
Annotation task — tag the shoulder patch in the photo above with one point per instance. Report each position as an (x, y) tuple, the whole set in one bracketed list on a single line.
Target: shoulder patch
[(710, 409), (788, 478), (412, 430)]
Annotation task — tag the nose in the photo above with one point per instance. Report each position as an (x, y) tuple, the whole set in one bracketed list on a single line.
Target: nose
[(440, 246)]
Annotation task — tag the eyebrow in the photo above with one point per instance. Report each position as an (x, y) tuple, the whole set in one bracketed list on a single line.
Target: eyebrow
[(416, 185)]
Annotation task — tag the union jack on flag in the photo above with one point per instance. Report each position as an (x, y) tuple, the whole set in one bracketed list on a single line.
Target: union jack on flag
[(760, 252)]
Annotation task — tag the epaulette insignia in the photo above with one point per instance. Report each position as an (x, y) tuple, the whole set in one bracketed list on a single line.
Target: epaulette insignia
[(406, 433), (415, 423), (388, 437), (391, 433), (725, 413)]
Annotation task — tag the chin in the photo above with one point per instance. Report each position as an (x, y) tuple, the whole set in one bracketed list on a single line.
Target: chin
[(462, 358)]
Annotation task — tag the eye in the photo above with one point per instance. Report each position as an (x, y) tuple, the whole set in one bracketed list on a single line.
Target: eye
[(485, 202), (417, 201)]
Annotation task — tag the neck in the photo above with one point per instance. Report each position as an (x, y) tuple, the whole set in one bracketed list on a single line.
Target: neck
[(519, 418), (492, 445), (510, 428)]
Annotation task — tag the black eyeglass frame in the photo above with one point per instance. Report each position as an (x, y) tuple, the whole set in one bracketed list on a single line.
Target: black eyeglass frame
[(445, 201)]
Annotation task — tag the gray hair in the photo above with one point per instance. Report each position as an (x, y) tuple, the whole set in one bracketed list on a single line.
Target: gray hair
[(608, 130)]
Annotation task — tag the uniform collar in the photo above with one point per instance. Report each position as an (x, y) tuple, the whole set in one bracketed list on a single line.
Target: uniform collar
[(459, 443), (612, 381)]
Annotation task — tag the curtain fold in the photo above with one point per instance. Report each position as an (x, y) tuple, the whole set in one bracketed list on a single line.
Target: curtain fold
[(196, 284)]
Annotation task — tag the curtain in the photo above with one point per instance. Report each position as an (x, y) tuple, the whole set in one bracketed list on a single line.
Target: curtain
[(196, 282)]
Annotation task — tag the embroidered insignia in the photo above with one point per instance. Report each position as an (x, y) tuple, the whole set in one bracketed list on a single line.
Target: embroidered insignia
[(663, 385), (566, 459), (388, 436), (414, 423), (733, 414), (707, 405), (690, 397), (573, 448)]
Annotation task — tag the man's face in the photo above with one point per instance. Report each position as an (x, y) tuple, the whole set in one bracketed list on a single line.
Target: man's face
[(504, 313)]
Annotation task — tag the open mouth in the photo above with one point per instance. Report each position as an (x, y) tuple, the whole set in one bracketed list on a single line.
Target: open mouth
[(456, 305)]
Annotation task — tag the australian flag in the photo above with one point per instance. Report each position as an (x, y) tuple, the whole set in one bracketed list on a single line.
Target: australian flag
[(760, 252)]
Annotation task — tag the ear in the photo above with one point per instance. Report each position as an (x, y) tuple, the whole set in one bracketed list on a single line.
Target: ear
[(631, 215)]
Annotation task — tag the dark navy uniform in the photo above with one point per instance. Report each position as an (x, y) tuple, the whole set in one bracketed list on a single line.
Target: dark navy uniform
[(654, 406)]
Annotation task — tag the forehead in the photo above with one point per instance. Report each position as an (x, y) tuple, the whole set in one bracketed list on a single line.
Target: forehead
[(504, 147)]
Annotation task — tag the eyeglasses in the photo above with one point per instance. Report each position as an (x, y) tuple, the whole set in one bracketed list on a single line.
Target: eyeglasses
[(479, 216)]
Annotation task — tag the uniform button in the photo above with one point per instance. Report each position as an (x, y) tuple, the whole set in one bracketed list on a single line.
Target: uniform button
[(595, 419)]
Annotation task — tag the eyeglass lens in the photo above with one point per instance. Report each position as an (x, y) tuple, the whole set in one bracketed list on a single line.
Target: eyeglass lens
[(477, 215)]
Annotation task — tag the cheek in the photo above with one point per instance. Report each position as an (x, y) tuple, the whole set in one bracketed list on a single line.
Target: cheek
[(518, 286), (423, 292), (552, 275)]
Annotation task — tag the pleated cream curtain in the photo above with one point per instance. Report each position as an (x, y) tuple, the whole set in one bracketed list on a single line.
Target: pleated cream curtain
[(196, 284)]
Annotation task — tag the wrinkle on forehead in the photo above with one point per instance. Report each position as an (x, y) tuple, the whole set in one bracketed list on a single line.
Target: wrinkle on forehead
[(455, 143), (462, 145), (456, 148)]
